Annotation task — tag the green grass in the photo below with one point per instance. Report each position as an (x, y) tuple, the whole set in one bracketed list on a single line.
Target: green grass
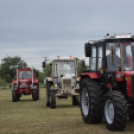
[(33, 117)]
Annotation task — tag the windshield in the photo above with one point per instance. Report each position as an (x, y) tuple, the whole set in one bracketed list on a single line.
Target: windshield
[(113, 55), (64, 68), (25, 74)]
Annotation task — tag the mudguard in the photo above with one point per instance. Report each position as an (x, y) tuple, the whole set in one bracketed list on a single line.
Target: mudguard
[(92, 75), (36, 81), (15, 82), (49, 79)]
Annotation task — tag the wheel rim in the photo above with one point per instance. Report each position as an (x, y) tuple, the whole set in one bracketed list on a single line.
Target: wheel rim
[(109, 111), (85, 101)]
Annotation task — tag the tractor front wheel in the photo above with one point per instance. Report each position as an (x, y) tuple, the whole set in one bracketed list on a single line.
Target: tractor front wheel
[(48, 84), (18, 97), (14, 96), (53, 100), (38, 92), (35, 94), (75, 100), (115, 111)]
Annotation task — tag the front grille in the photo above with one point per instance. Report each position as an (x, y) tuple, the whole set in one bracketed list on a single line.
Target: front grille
[(23, 85), (66, 84)]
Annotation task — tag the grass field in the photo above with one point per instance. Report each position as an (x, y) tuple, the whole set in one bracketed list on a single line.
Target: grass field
[(33, 117)]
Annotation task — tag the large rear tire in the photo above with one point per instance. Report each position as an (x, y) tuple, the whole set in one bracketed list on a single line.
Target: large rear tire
[(38, 97), (91, 101), (53, 100), (18, 97), (115, 111), (48, 85), (35, 94), (14, 96)]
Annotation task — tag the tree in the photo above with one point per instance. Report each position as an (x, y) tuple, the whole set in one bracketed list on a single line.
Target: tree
[(80, 67), (47, 70), (41, 76), (9, 66), (2, 82)]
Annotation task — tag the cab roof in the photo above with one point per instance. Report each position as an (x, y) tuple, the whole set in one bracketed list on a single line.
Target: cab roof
[(25, 69), (114, 37)]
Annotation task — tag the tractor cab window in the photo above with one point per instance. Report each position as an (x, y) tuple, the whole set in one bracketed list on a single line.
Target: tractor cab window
[(92, 59), (64, 68), (127, 53), (99, 59), (109, 56), (25, 74), (113, 56)]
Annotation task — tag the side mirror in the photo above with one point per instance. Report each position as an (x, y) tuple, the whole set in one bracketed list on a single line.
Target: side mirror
[(37, 74), (44, 64), (83, 63), (61, 75), (87, 50), (50, 64)]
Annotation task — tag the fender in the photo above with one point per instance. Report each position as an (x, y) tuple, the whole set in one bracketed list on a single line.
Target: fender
[(36, 81), (49, 79), (92, 75), (15, 82), (77, 78)]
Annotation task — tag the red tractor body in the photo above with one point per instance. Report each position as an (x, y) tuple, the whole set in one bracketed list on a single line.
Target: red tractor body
[(26, 84)]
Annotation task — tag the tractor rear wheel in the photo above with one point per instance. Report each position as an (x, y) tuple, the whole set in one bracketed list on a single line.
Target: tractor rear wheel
[(91, 101), (14, 96), (115, 111), (38, 97), (53, 100), (35, 94), (18, 97), (48, 84), (75, 100)]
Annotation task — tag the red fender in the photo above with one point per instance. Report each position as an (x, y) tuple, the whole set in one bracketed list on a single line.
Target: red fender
[(36, 81), (91, 75), (15, 82)]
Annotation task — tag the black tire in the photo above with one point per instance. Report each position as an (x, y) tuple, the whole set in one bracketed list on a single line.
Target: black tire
[(38, 97), (119, 104), (18, 97), (53, 100), (131, 116), (48, 85), (93, 101), (35, 94), (75, 101), (14, 96)]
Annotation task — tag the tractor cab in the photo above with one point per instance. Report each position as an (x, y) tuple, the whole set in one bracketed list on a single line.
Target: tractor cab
[(111, 57)]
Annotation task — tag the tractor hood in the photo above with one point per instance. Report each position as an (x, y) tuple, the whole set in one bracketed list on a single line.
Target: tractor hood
[(127, 75)]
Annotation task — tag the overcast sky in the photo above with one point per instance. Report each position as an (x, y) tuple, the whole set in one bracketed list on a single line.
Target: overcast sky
[(47, 28)]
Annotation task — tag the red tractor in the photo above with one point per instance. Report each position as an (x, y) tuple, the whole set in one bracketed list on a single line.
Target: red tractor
[(107, 87), (26, 84)]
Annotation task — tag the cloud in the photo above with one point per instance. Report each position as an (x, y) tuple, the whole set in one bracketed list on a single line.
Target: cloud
[(50, 28)]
